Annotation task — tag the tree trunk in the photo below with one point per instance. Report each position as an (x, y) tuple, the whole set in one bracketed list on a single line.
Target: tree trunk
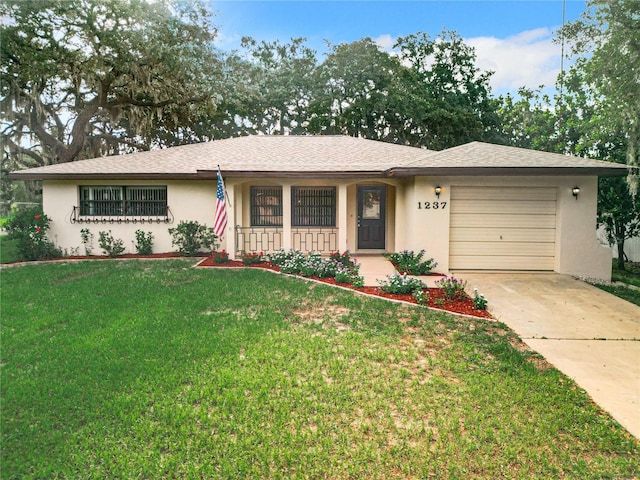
[(620, 235)]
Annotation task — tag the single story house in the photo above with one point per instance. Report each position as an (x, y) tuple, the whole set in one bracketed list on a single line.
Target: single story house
[(475, 206)]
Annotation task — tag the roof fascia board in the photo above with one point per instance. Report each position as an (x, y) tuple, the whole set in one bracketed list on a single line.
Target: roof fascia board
[(506, 171)]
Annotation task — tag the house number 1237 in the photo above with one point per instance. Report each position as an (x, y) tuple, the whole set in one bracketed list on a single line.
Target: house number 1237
[(431, 205)]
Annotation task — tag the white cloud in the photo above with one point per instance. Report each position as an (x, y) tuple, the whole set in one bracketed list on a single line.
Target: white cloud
[(385, 42), (528, 59)]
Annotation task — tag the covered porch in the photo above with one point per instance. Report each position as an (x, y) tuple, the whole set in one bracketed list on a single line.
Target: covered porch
[(308, 215)]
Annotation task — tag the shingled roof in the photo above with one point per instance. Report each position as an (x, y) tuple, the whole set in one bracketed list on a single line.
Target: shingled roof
[(318, 156)]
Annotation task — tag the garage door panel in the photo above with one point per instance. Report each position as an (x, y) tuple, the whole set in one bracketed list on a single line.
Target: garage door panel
[(505, 248), (483, 262), (541, 207), (502, 228), (503, 193), (480, 234), (495, 220)]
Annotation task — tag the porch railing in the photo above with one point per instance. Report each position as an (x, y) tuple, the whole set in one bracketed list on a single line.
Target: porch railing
[(258, 239), (323, 240), (269, 239)]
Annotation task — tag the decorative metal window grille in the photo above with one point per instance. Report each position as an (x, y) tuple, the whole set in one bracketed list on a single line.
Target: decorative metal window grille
[(128, 201), (266, 206), (313, 206)]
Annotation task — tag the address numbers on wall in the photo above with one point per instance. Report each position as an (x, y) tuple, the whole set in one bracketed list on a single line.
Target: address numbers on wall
[(432, 205)]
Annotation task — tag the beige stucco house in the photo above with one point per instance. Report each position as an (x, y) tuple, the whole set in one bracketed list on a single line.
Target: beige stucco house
[(476, 206)]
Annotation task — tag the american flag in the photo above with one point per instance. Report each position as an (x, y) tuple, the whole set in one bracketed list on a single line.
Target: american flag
[(220, 222)]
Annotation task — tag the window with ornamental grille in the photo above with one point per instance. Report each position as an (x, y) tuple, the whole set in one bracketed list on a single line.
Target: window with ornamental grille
[(115, 201), (313, 206), (266, 206)]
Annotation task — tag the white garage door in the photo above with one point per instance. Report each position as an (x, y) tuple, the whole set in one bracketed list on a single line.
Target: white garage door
[(502, 228)]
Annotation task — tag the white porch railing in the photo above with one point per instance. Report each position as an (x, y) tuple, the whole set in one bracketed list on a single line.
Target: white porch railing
[(269, 239), (310, 239)]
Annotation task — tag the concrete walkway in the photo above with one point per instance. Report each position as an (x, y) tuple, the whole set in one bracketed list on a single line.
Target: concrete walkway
[(590, 335)]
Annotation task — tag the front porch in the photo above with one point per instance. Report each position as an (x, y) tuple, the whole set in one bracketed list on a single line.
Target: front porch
[(270, 215)]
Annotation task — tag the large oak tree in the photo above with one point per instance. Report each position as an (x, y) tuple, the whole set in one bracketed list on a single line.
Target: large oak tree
[(84, 78)]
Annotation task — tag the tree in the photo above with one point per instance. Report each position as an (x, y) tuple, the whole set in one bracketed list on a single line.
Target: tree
[(448, 97), (84, 78), (576, 124), (281, 80), (358, 93), (607, 36)]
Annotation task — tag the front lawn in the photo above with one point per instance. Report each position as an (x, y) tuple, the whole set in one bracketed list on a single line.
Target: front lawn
[(8, 249), (154, 369)]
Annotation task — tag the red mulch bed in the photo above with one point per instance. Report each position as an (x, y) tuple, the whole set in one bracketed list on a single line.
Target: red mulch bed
[(436, 296)]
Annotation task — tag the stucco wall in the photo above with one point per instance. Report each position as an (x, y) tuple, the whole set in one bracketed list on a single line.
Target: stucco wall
[(578, 251), (188, 200), (409, 224)]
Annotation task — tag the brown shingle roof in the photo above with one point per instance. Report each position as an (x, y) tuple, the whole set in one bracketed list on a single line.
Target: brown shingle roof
[(491, 159), (319, 156)]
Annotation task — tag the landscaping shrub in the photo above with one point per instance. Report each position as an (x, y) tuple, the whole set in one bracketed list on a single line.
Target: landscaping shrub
[(340, 266), (111, 246), (220, 257), (421, 296), (87, 241), (251, 258), (412, 263), (398, 283), (452, 287), (479, 300), (191, 238), (144, 242), (29, 226)]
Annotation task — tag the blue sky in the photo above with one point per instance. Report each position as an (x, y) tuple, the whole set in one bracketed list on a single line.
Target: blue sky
[(511, 37)]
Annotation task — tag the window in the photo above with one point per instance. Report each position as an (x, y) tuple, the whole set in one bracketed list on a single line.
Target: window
[(266, 206), (117, 201), (313, 206)]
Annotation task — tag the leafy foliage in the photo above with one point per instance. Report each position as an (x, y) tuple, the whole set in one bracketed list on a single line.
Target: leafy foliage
[(608, 40), (110, 245), (85, 78), (407, 261), (191, 238), (29, 226), (452, 287), (144, 242), (398, 283)]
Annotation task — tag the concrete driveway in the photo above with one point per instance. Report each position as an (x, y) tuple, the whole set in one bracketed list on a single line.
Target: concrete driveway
[(588, 334)]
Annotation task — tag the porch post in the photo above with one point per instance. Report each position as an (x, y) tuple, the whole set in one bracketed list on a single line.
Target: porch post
[(342, 217), (286, 216), (232, 210)]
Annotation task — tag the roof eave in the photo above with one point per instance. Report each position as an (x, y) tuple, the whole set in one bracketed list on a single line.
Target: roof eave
[(505, 171)]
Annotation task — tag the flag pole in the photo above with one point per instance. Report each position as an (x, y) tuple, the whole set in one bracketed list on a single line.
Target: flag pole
[(226, 195)]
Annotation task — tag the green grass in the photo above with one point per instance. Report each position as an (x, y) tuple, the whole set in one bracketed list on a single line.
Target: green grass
[(123, 369), (8, 249), (628, 282), (630, 275), (626, 293)]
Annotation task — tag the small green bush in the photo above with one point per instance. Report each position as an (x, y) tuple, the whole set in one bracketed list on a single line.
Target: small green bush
[(111, 246), (412, 263), (421, 296), (452, 287), (144, 242), (87, 240), (251, 258), (400, 284), (191, 238), (220, 257), (29, 226), (479, 300)]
